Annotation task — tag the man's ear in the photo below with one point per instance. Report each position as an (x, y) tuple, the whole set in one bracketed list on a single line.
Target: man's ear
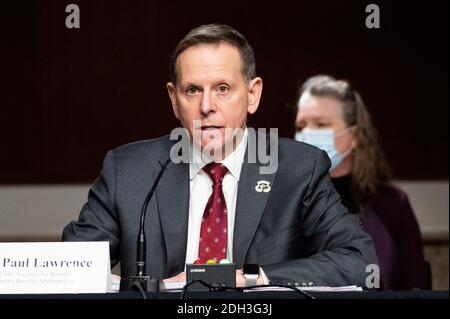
[(255, 87), (172, 90)]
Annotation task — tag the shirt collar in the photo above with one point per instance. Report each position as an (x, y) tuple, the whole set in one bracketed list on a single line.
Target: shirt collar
[(233, 162)]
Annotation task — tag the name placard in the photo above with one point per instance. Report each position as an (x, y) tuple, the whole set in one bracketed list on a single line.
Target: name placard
[(55, 267)]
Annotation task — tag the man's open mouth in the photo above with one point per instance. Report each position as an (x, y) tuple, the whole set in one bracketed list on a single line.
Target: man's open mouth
[(210, 127)]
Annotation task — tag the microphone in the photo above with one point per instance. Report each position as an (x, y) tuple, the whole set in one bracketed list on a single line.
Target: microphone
[(141, 281)]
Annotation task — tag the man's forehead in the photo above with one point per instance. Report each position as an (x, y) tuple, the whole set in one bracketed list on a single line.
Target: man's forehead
[(209, 60)]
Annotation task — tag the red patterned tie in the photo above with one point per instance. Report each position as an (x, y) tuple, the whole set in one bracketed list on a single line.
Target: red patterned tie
[(213, 233)]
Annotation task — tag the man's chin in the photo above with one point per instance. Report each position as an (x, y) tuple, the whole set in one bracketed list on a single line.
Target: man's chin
[(215, 150), (212, 149)]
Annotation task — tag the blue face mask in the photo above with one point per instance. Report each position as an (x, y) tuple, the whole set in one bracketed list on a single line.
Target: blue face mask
[(324, 139)]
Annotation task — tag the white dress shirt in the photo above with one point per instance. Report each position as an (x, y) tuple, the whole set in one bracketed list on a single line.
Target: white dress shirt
[(201, 189), (200, 186)]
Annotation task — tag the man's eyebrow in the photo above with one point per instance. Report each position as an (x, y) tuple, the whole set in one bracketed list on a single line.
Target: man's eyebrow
[(215, 82), (224, 80), (188, 84)]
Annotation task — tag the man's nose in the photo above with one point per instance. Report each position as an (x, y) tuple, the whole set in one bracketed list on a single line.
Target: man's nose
[(207, 103)]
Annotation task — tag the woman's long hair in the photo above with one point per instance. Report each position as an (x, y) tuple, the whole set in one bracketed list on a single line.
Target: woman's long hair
[(369, 168)]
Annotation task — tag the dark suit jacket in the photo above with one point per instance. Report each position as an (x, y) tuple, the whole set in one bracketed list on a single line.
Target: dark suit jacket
[(297, 232)]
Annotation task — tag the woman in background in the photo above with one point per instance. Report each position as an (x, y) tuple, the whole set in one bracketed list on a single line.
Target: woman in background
[(332, 116)]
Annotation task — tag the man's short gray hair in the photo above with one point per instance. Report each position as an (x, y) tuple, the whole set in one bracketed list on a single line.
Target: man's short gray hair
[(216, 34)]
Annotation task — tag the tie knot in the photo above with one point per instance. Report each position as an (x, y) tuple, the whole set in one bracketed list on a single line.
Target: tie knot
[(216, 171)]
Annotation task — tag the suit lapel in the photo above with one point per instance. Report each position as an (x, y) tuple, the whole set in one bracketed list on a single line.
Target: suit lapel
[(173, 205), (250, 206)]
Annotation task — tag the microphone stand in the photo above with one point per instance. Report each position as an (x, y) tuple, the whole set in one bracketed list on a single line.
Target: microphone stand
[(141, 281)]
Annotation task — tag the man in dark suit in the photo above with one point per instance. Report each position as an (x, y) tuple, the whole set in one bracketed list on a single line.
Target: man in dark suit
[(287, 220)]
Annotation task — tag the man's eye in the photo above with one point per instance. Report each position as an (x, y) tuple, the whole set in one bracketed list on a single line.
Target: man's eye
[(223, 89), (191, 90)]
